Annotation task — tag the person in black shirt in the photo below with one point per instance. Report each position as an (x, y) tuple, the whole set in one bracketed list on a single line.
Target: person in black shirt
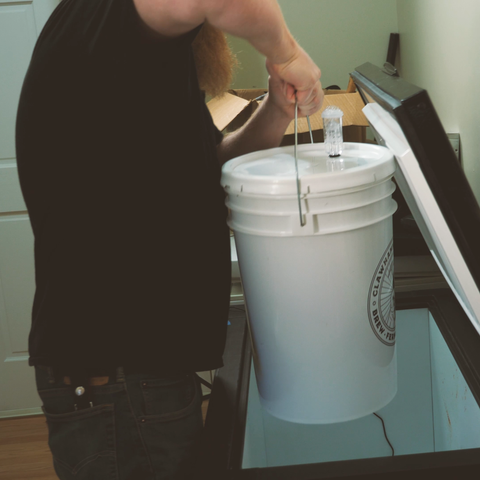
[(119, 164)]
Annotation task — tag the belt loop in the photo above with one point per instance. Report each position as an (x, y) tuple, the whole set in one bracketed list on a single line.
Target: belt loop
[(50, 375), (120, 375)]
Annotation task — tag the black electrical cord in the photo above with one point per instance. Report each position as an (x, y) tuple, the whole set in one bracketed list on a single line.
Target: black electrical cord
[(385, 433)]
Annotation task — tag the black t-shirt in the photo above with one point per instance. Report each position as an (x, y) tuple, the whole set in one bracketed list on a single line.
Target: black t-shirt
[(117, 164)]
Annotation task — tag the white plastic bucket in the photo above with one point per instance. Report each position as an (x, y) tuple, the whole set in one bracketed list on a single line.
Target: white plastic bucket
[(320, 297)]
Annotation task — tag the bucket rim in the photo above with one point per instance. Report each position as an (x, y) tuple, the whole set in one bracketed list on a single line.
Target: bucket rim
[(376, 165)]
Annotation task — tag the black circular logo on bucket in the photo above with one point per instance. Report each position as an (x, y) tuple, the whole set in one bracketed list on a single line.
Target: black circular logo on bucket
[(381, 299)]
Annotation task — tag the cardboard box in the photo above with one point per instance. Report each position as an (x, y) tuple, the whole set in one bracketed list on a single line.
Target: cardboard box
[(233, 109)]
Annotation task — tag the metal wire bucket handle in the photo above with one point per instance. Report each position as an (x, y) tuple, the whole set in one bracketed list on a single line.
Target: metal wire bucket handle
[(302, 222)]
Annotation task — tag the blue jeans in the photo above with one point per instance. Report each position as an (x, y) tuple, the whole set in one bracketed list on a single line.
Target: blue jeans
[(139, 427)]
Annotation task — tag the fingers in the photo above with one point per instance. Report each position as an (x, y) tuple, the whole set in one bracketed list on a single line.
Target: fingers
[(310, 101), (290, 93), (302, 75)]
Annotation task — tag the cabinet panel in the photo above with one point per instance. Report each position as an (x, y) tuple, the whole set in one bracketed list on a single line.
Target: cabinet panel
[(16, 283), (18, 33), (20, 25), (11, 199)]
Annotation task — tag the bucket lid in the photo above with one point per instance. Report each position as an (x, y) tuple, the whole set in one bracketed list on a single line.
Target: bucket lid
[(272, 172), (430, 178)]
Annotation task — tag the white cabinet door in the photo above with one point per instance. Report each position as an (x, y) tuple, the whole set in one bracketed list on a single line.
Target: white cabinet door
[(20, 25)]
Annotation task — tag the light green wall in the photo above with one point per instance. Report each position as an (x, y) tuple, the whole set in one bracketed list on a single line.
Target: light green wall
[(338, 34), (440, 51)]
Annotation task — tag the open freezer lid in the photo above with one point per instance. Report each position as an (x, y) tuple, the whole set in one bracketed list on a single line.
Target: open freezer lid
[(429, 176)]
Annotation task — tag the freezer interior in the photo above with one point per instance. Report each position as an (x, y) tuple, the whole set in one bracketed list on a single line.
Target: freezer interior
[(433, 411)]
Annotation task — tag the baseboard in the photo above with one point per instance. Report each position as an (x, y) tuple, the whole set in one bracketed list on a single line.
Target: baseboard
[(25, 412)]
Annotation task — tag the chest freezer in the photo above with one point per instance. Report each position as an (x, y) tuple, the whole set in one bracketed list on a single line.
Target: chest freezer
[(433, 424)]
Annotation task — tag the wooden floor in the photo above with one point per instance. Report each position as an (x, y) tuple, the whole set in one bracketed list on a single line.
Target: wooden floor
[(24, 453)]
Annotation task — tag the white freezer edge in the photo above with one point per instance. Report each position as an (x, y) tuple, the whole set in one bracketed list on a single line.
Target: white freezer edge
[(426, 212)]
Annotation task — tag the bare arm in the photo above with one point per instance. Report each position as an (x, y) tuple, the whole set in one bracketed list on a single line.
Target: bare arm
[(266, 127), (264, 130), (262, 24), (258, 21)]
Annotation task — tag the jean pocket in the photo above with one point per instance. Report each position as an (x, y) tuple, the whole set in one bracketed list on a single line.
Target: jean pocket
[(83, 443), (172, 425), (170, 398)]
